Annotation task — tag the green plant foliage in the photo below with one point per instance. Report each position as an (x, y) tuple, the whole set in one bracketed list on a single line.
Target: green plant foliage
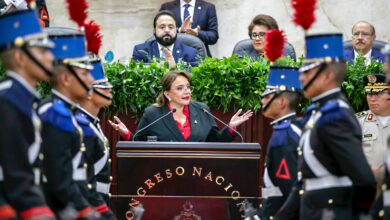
[(225, 83), (353, 85), (230, 82), (135, 86)]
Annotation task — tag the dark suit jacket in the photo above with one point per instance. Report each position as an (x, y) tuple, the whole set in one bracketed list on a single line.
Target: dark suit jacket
[(250, 51), (203, 126), (204, 15), (146, 51), (375, 54)]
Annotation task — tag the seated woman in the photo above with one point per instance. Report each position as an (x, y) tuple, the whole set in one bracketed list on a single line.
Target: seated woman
[(181, 119), (256, 31)]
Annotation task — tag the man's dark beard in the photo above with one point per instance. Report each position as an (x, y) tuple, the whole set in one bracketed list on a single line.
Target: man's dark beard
[(166, 40)]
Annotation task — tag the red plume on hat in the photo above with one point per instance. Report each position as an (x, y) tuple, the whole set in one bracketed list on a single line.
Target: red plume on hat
[(93, 37), (274, 44), (304, 12), (78, 11)]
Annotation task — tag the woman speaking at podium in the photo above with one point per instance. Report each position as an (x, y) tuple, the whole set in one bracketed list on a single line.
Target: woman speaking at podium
[(174, 117)]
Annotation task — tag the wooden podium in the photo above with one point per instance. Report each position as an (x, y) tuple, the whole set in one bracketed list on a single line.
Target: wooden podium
[(181, 180)]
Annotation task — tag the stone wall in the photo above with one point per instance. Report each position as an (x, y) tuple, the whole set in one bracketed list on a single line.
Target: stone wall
[(129, 22)]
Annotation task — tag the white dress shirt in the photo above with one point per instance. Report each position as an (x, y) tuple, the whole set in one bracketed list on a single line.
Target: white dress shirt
[(190, 9)]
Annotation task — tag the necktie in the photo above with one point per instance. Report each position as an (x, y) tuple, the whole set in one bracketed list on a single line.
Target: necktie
[(162, 52), (186, 12)]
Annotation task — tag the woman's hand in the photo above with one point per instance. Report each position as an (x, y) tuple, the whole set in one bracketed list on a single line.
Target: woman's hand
[(236, 120), (119, 126)]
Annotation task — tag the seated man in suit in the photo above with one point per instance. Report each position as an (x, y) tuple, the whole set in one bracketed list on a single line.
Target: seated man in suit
[(165, 45), (363, 36), (256, 31), (195, 17)]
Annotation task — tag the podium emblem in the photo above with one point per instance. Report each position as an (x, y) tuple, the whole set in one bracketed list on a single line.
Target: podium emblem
[(188, 213)]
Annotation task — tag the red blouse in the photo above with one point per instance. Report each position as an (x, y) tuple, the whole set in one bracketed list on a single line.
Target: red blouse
[(185, 128)]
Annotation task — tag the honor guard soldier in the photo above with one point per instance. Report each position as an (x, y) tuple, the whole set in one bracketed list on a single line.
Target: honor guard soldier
[(280, 101), (24, 51), (98, 171), (43, 13), (65, 164), (375, 122), (336, 181), (381, 208)]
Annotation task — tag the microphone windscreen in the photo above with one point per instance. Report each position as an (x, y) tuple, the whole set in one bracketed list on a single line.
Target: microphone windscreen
[(173, 110)]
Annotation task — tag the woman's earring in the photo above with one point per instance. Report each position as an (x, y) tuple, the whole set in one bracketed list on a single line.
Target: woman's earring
[(169, 99)]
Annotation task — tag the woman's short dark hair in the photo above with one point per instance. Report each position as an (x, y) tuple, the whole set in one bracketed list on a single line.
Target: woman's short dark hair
[(161, 13), (262, 19), (166, 84)]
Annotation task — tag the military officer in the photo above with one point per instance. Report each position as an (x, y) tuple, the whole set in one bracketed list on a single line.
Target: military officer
[(24, 50), (98, 171), (381, 208), (335, 179), (375, 122), (63, 147), (280, 101)]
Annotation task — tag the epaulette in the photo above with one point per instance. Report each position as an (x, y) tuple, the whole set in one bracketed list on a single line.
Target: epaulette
[(17, 95), (84, 123), (59, 116), (362, 114), (332, 111), (282, 133), (311, 107), (282, 125)]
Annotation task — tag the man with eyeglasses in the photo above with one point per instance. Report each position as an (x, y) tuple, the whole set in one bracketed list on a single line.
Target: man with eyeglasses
[(363, 37), (375, 122), (165, 46)]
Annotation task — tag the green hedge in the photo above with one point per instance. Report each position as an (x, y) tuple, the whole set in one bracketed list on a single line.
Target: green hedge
[(220, 83)]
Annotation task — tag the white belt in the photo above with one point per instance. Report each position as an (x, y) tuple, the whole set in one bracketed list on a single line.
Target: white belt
[(37, 176), (271, 192), (326, 182), (103, 187), (386, 198), (1, 174), (80, 174)]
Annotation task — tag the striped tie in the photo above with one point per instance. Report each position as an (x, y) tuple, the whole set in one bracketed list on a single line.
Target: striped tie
[(186, 12)]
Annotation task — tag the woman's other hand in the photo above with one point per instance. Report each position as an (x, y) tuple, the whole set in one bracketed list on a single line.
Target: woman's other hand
[(119, 126), (238, 119)]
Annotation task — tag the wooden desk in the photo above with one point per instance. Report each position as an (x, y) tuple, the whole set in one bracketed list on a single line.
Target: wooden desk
[(170, 179)]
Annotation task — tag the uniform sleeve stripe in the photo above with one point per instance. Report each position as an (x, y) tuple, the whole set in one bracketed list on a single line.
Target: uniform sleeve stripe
[(102, 208), (36, 212)]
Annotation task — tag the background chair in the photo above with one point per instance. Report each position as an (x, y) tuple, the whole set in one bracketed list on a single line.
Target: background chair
[(377, 45), (190, 41), (245, 46)]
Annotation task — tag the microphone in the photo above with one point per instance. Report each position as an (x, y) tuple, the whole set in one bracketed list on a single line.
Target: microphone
[(235, 131), (158, 119)]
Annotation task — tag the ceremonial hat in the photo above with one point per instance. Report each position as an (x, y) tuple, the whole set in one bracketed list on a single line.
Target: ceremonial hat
[(100, 80), (323, 48), (282, 78), (375, 83), (22, 28), (69, 47)]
